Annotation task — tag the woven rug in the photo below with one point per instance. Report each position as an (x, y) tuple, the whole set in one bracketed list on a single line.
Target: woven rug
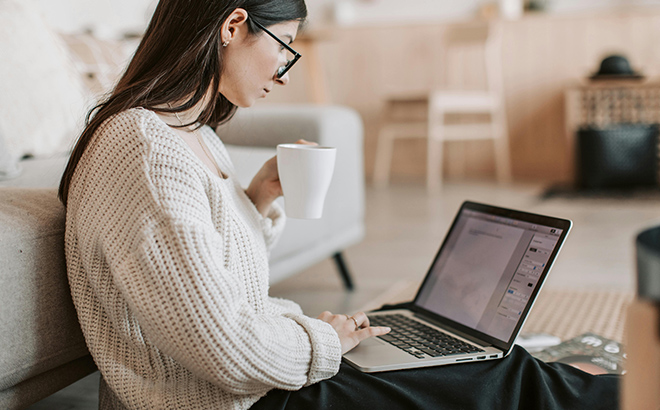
[(559, 312), (569, 313)]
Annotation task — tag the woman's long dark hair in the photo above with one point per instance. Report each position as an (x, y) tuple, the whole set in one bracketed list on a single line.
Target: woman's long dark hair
[(179, 57)]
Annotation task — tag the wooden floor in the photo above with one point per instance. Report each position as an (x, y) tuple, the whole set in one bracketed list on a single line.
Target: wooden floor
[(404, 229)]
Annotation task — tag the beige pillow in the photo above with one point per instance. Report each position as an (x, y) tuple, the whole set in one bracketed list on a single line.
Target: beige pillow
[(100, 62), (42, 100)]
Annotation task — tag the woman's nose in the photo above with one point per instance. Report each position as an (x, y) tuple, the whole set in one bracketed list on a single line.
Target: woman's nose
[(284, 80)]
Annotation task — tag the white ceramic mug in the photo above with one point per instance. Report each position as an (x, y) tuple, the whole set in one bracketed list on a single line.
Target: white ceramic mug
[(305, 174)]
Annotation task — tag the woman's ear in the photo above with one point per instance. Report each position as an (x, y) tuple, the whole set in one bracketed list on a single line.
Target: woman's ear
[(232, 25)]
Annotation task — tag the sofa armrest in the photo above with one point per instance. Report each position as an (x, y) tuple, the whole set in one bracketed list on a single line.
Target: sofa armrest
[(260, 129), (43, 349), (332, 126)]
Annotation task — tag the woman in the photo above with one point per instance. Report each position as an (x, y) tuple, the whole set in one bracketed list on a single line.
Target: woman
[(168, 256)]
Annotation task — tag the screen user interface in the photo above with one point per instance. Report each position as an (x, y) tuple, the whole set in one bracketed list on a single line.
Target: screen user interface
[(487, 271)]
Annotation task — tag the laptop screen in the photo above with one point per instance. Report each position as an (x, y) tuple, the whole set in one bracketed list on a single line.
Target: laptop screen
[(488, 269)]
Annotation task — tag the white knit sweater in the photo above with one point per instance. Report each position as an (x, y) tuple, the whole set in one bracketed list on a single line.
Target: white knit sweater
[(168, 267)]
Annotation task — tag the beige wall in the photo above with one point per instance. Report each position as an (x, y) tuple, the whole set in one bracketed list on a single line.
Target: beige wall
[(543, 54)]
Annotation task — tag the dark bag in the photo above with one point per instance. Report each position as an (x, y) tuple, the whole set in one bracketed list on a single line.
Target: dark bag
[(620, 156)]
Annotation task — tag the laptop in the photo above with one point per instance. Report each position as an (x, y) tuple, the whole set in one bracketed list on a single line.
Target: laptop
[(476, 295)]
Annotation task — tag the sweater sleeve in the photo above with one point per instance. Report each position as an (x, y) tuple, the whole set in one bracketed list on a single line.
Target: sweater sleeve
[(273, 225), (284, 306), (195, 312)]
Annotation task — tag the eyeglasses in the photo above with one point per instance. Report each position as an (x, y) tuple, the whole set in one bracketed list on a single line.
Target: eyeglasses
[(296, 56)]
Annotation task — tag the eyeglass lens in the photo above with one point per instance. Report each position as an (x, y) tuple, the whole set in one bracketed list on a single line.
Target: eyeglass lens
[(291, 55)]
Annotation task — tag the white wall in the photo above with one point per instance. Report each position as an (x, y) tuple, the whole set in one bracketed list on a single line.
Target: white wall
[(112, 18), (106, 18), (583, 5), (392, 11)]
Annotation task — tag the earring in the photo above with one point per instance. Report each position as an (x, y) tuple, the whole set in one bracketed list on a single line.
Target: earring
[(225, 44)]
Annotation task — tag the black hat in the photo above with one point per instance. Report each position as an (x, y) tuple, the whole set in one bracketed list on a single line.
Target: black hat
[(615, 67)]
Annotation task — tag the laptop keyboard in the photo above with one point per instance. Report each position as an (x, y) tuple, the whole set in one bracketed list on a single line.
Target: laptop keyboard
[(418, 339)]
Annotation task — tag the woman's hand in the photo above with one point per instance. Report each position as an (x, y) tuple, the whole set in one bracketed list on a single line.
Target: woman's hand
[(265, 186), (352, 329)]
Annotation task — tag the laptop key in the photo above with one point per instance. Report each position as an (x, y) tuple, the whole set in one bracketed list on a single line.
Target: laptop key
[(414, 337), (431, 353)]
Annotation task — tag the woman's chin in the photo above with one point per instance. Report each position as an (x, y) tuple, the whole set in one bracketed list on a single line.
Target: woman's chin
[(247, 102), (242, 102)]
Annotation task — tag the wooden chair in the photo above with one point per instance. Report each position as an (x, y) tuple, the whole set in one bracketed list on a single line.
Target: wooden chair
[(463, 95)]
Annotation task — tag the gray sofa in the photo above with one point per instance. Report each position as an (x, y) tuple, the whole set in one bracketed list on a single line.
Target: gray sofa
[(43, 348)]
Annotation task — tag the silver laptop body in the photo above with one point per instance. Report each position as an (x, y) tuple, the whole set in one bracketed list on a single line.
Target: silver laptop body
[(479, 289)]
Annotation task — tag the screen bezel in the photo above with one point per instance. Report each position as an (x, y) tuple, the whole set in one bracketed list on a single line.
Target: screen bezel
[(553, 222)]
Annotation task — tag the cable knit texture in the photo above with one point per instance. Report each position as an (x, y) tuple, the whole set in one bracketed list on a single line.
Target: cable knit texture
[(168, 268)]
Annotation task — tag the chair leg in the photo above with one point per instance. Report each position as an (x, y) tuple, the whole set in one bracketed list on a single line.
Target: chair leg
[(343, 271), (434, 157), (501, 141), (383, 158), (435, 144)]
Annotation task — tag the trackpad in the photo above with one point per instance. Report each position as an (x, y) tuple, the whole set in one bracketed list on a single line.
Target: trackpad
[(371, 347), (371, 342)]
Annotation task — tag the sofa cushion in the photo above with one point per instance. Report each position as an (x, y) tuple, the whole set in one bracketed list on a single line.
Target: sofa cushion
[(39, 329), (306, 241), (9, 167), (42, 100), (253, 135), (38, 173)]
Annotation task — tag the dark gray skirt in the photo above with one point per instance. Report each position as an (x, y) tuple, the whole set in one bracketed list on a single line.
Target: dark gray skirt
[(519, 381)]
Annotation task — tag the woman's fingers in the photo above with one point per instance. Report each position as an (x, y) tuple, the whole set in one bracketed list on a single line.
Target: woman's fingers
[(325, 316), (357, 322), (305, 142), (361, 319), (372, 331), (352, 329), (365, 331)]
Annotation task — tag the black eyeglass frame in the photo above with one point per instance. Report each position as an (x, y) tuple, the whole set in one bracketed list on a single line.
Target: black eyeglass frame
[(296, 55)]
